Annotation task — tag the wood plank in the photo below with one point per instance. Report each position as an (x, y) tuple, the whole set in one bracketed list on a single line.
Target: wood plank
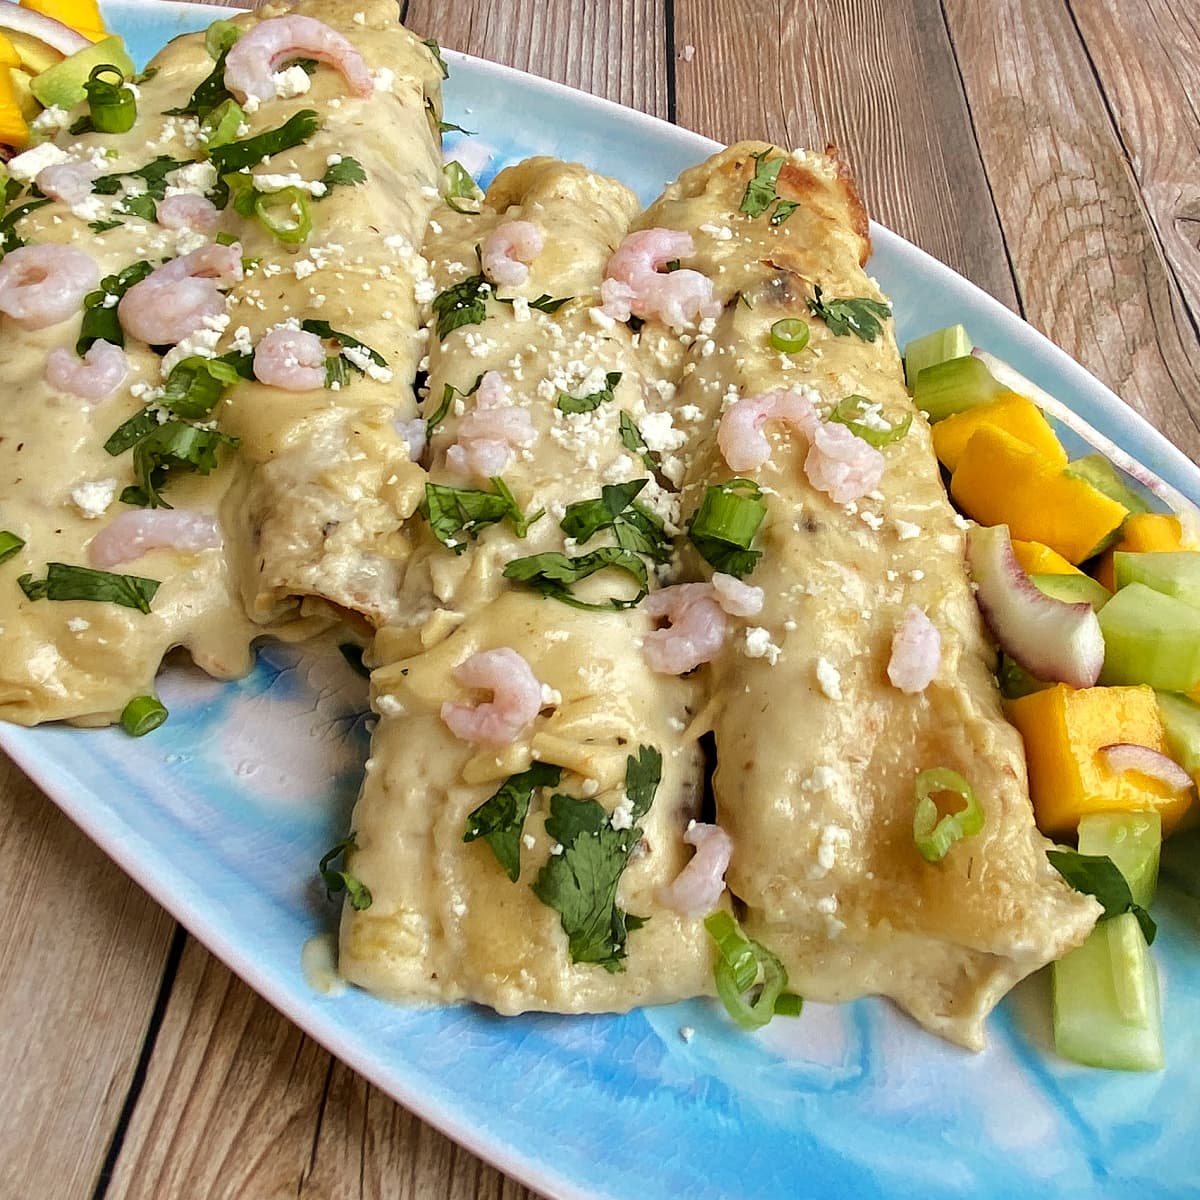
[(612, 48), (82, 950), (1152, 84), (877, 78), (1089, 268), (238, 1102)]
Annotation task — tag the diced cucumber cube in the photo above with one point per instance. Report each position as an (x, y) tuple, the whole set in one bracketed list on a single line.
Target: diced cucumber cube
[(1074, 589), (1104, 477), (1172, 572), (1181, 720), (1106, 1000), (934, 348), (1150, 638), (954, 386), (1133, 840)]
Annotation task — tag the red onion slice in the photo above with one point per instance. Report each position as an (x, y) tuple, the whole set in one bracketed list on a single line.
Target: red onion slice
[(1051, 639), (1176, 501), (54, 33), (1128, 756)]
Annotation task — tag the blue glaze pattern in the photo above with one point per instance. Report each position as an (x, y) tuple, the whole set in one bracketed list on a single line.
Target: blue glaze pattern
[(223, 813)]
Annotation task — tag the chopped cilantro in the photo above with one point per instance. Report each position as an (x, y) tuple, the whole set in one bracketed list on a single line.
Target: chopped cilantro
[(783, 210), (636, 528), (347, 173), (153, 175), (100, 322), (104, 226), (1097, 875), (341, 880), (580, 883), (296, 130), (860, 316), (464, 303), (211, 92), (544, 303), (171, 447), (9, 238), (589, 403), (337, 366), (500, 819), (760, 191), (632, 439), (449, 391), (431, 44), (65, 582), (456, 514), (552, 574)]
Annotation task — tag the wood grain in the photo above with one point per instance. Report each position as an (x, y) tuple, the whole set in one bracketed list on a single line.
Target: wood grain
[(878, 79), (82, 950), (1152, 86), (238, 1103), (1089, 268)]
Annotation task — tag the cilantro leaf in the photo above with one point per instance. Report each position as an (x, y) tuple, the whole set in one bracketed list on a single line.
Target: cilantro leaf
[(341, 880), (544, 303), (860, 316), (463, 303), (100, 321), (153, 175), (636, 528), (66, 582), (1097, 875), (552, 574), (347, 173), (104, 226), (171, 447), (233, 156), (210, 93), (500, 819), (449, 391), (643, 774), (632, 439), (9, 238), (592, 401), (431, 44), (452, 512), (760, 191), (338, 366), (783, 210)]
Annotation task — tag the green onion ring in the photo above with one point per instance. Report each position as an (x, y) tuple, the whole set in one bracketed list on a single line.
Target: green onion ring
[(113, 106), (742, 966), (298, 222), (934, 837), (142, 714), (10, 543), (790, 335)]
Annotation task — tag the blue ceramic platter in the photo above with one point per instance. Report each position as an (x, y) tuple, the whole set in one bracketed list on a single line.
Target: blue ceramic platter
[(223, 813)]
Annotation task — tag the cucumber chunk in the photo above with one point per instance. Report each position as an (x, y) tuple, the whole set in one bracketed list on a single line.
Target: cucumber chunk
[(954, 386), (1150, 638), (62, 84), (1133, 840), (1074, 589), (1181, 721), (934, 348), (1104, 477), (1172, 572)]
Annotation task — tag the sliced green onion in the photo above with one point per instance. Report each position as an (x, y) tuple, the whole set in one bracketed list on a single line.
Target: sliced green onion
[(460, 186), (9, 544), (113, 106), (934, 836), (142, 714), (221, 125), (751, 981), (849, 411), (285, 214), (219, 37), (730, 512), (790, 335)]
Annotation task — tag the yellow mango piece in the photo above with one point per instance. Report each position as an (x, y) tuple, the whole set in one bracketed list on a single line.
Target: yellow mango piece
[(27, 102), (8, 53), (1012, 413), (1141, 532), (13, 129), (34, 54), (1036, 559), (82, 15), (1064, 730), (1000, 480)]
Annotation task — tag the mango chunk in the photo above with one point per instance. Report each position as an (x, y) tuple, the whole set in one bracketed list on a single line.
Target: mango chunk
[(1012, 413), (13, 129), (1000, 480), (1064, 730), (1036, 559), (8, 53), (81, 15), (1141, 532)]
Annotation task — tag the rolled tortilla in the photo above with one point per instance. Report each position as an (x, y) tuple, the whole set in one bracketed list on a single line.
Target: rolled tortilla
[(446, 921), (817, 749)]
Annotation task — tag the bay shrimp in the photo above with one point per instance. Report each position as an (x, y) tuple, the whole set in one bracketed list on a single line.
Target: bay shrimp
[(187, 210), (695, 634), (489, 435), (841, 464), (635, 283), (292, 359), (508, 249), (916, 652), (45, 284), (177, 298), (697, 888), (98, 374), (516, 698), (139, 531), (70, 182), (741, 439), (263, 49)]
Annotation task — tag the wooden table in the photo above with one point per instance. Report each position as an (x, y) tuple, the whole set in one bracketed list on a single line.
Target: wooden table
[(1047, 149)]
